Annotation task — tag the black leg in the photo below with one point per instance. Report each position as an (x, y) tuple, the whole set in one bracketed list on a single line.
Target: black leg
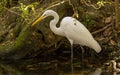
[(72, 58), (83, 51)]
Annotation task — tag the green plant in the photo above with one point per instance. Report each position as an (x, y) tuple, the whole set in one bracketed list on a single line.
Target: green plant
[(3, 3), (25, 9), (88, 21)]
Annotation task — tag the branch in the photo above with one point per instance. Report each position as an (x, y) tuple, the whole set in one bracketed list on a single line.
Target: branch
[(91, 5), (75, 11), (11, 11), (100, 30)]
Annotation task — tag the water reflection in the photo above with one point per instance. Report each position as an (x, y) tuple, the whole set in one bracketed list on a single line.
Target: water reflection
[(47, 68), (6, 69), (98, 71)]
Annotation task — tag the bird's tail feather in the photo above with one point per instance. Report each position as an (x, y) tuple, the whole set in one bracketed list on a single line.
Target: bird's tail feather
[(96, 46)]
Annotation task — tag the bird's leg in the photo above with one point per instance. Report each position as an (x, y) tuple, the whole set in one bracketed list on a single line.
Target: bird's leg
[(71, 42), (72, 58), (83, 51)]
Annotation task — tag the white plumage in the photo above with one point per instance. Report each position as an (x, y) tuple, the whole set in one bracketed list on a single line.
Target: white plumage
[(72, 29), (78, 33)]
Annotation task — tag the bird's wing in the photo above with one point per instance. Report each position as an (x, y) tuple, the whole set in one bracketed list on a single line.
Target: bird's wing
[(75, 30)]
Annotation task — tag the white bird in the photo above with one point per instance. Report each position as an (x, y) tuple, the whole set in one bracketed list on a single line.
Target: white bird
[(72, 29)]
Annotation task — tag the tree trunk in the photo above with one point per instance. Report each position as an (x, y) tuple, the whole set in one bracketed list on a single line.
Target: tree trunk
[(117, 12)]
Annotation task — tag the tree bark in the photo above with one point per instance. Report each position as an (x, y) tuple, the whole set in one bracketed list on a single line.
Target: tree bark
[(10, 50), (117, 12)]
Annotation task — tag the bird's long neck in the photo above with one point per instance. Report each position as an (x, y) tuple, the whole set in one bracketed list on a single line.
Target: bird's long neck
[(53, 27)]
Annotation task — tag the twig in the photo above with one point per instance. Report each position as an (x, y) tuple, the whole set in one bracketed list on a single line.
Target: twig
[(100, 30), (91, 5), (75, 11), (56, 4), (12, 11), (15, 13)]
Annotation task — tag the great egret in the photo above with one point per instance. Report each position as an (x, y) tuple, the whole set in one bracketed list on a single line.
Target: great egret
[(72, 29)]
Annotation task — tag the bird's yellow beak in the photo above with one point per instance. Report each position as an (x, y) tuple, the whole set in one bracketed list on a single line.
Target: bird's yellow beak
[(39, 19)]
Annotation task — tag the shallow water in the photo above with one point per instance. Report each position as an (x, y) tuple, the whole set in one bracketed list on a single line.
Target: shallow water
[(26, 67), (40, 68), (59, 64)]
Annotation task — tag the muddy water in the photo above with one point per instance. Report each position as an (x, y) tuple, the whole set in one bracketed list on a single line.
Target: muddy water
[(54, 67)]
